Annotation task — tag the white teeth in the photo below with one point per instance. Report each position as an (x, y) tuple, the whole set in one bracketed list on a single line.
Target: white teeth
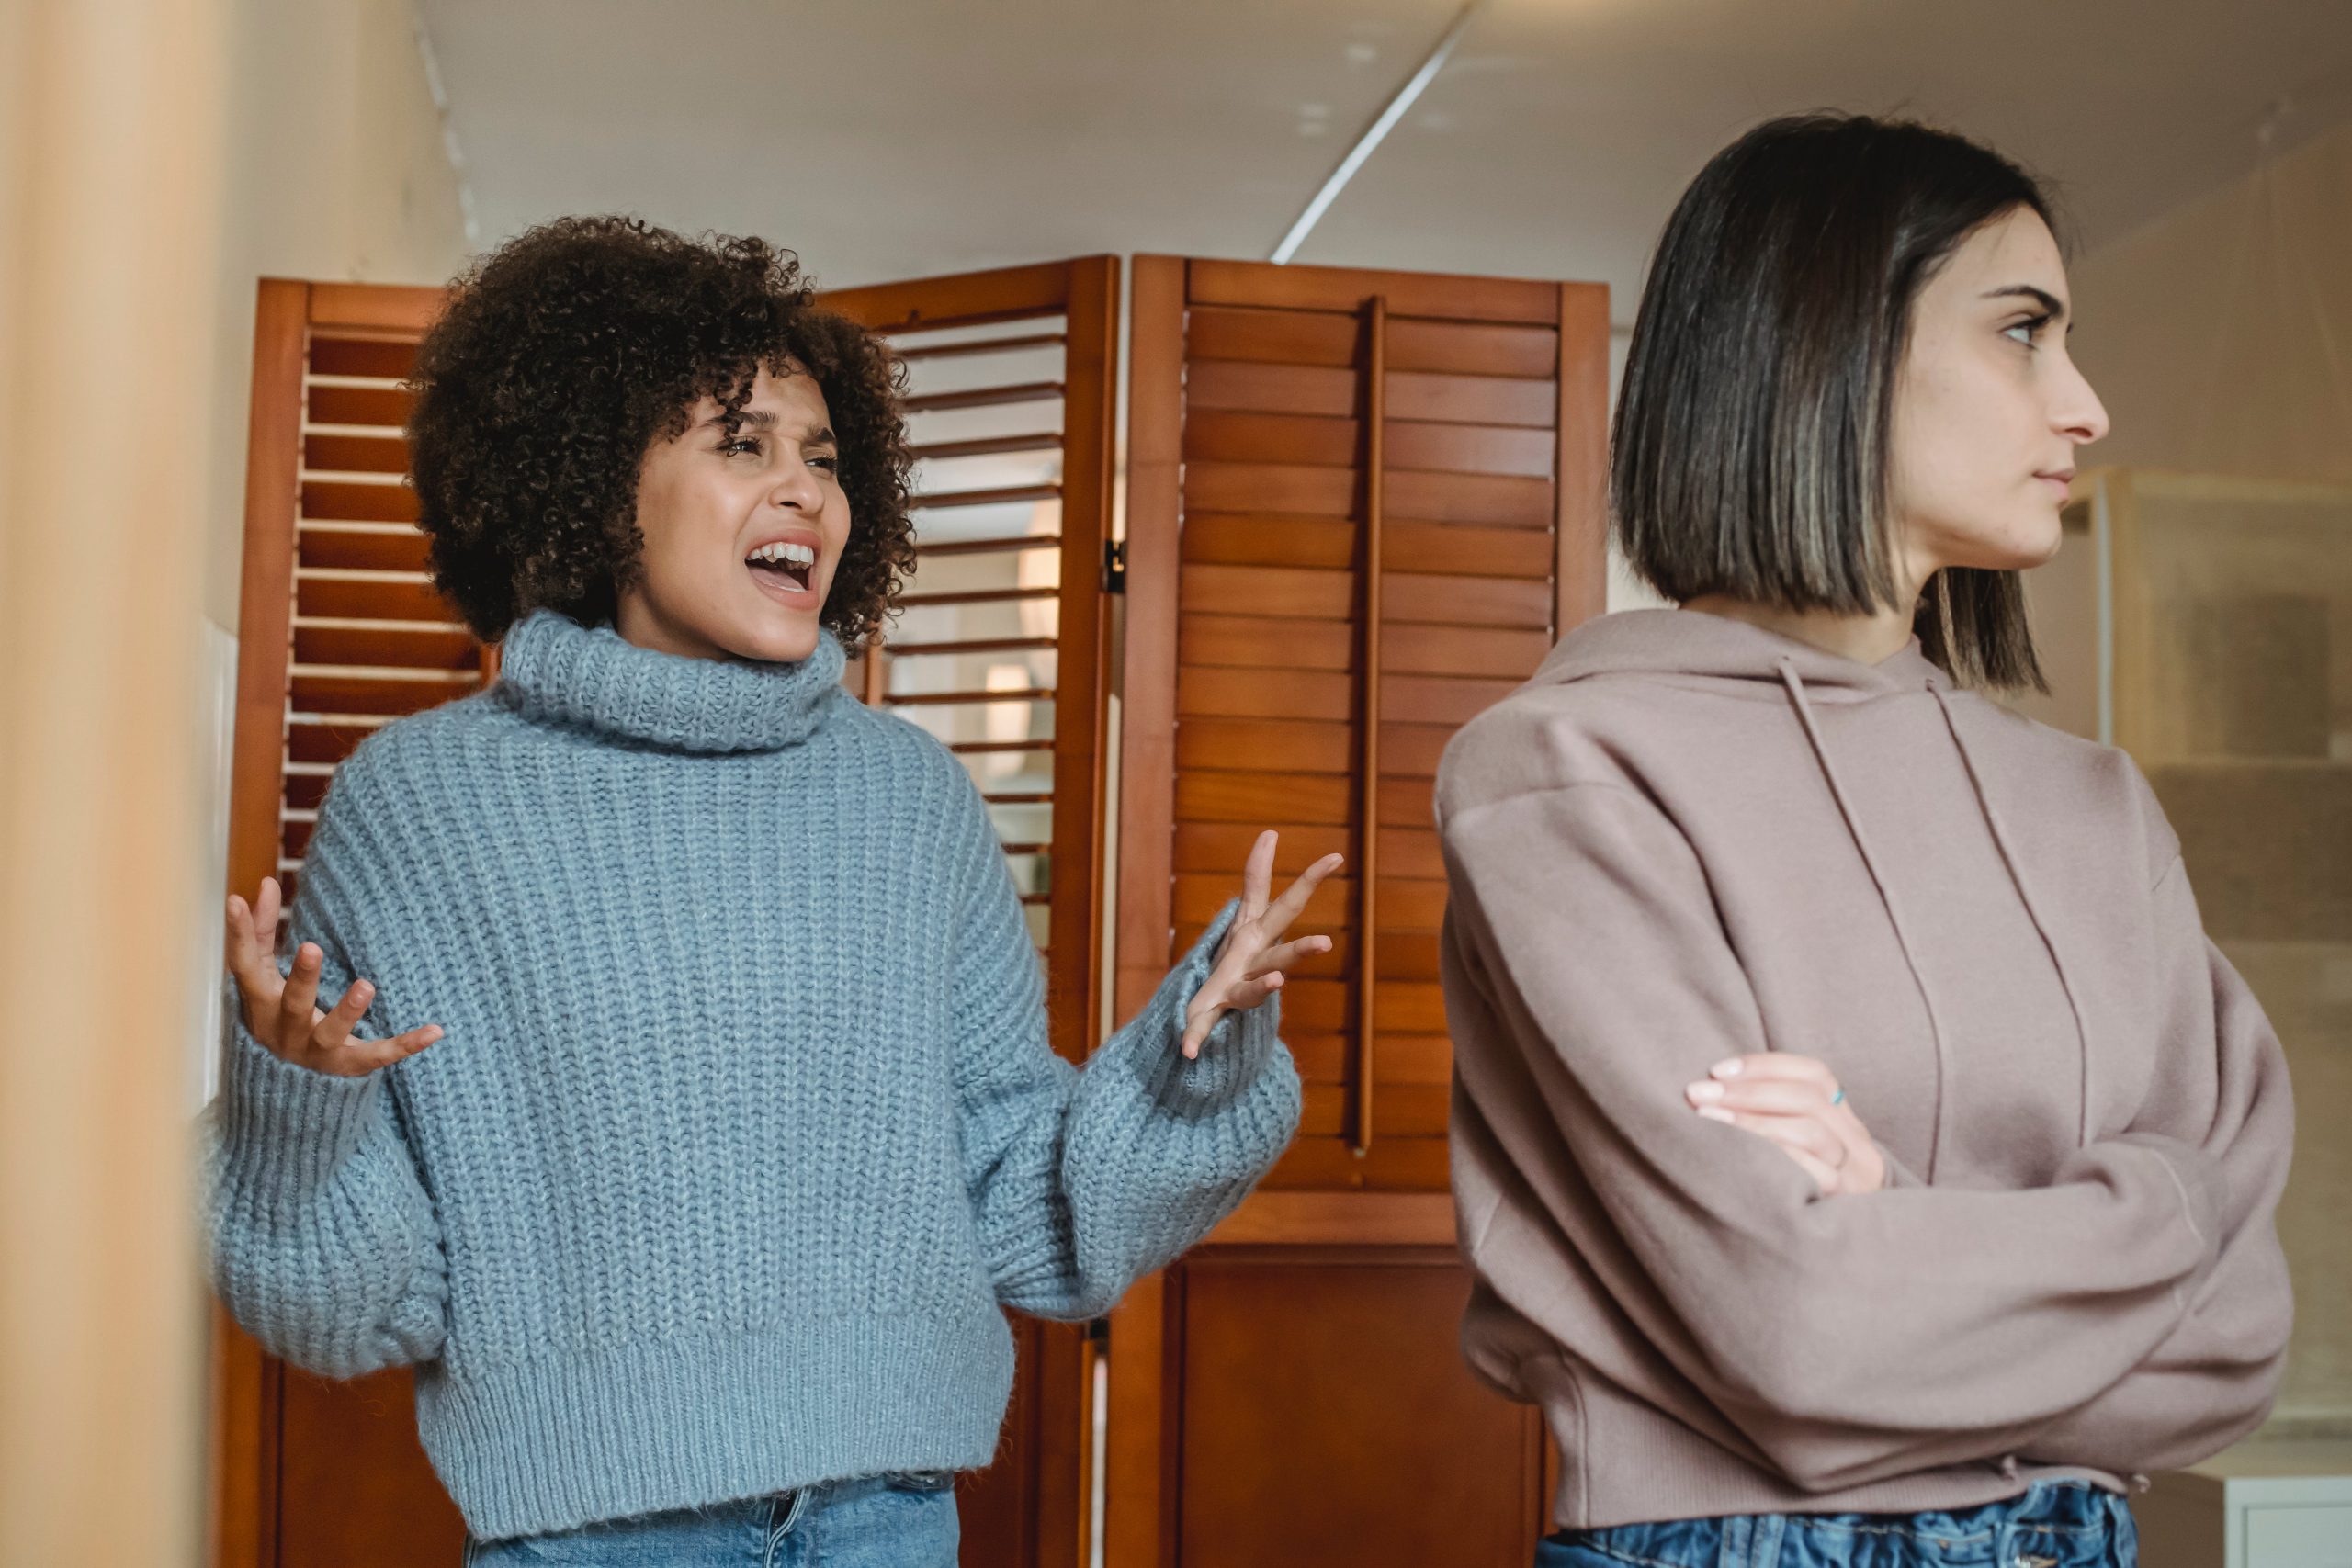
[(782, 550)]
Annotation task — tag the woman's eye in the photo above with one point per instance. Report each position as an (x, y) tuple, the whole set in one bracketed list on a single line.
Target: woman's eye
[(2026, 332), (742, 445), (827, 462)]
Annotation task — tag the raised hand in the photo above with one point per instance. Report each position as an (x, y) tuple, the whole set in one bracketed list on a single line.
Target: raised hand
[(281, 1011), (1251, 961), (1794, 1101)]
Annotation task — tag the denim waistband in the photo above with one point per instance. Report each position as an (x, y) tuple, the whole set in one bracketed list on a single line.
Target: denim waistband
[(2055, 1524)]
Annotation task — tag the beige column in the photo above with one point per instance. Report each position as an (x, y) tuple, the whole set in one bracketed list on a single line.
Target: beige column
[(109, 175)]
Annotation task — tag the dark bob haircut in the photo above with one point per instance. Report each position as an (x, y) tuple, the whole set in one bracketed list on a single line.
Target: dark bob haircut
[(567, 352), (1751, 451)]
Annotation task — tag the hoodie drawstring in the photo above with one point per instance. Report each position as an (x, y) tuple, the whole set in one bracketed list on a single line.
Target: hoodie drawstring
[(2025, 896), (1795, 684)]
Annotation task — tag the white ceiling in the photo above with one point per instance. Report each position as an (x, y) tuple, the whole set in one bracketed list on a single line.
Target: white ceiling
[(888, 139)]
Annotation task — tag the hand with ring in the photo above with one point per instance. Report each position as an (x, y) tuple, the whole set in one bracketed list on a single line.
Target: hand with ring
[(1794, 1101)]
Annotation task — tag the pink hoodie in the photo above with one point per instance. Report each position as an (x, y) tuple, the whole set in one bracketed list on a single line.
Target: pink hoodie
[(1687, 838)]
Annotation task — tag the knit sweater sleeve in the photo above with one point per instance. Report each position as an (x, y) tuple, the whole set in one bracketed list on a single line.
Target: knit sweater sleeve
[(1844, 1340), (2224, 1093), (1083, 1181), (325, 1244)]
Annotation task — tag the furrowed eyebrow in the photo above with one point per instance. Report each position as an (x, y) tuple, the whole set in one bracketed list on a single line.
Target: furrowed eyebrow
[(757, 419), (2050, 304)]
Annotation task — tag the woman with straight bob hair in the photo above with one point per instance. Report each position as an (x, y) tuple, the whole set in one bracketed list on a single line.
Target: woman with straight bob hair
[(1864, 1156)]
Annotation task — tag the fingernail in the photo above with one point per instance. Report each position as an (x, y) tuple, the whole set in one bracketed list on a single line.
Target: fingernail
[(1716, 1113), (1730, 1069), (1706, 1090)]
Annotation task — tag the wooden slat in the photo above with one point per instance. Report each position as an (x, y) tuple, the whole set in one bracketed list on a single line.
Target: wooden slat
[(986, 446), (1440, 599), (1395, 1165), (1492, 499), (987, 396), (1404, 954), (1271, 388), (1331, 338), (1439, 296), (1204, 843), (990, 547), (363, 550), (1271, 487), (1468, 449), (977, 596), (397, 312), (1471, 349), (1021, 344), (339, 502), (388, 359), (329, 740), (1240, 540), (386, 695), (1230, 540), (356, 454), (1274, 336), (1260, 642), (380, 597), (1440, 699), (1406, 750), (1461, 550), (1472, 399), (421, 647), (1408, 1111), (1267, 590), (1407, 802), (1198, 900), (1264, 693), (1268, 800), (1406, 903), (940, 501), (967, 699), (1462, 651), (1211, 435), (969, 298), (961, 647), (358, 405)]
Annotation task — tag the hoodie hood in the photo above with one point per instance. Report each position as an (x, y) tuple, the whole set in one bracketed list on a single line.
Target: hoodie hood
[(1721, 653), (1712, 649)]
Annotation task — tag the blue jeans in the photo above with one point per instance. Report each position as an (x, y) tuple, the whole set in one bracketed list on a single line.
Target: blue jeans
[(884, 1521), (2056, 1524)]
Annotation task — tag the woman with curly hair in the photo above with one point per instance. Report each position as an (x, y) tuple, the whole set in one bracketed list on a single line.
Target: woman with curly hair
[(738, 1122)]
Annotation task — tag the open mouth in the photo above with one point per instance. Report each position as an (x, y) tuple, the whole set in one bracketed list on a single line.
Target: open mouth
[(785, 564)]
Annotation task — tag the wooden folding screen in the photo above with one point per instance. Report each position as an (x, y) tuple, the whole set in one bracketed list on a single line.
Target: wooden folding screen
[(1001, 651), (1361, 507)]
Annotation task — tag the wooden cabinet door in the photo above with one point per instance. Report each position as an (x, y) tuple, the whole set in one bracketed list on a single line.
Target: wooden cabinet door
[(1361, 506), (999, 652)]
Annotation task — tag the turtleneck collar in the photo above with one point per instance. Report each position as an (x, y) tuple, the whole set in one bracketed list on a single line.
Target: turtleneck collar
[(561, 671)]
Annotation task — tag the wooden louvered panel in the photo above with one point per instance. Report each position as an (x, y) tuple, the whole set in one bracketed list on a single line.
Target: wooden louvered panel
[(1361, 508), (1295, 452)]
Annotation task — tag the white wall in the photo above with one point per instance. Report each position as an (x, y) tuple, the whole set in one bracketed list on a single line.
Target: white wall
[(2220, 336), (336, 171)]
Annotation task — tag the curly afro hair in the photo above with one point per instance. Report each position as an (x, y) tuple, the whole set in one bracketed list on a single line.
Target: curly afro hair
[(567, 352)]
